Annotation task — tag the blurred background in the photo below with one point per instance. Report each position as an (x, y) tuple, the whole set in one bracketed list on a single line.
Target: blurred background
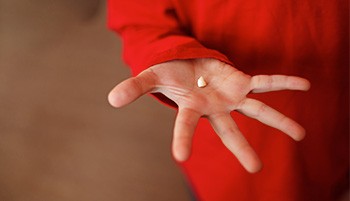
[(59, 138)]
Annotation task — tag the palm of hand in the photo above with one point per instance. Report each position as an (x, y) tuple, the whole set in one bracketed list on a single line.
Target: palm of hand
[(226, 91), (178, 81)]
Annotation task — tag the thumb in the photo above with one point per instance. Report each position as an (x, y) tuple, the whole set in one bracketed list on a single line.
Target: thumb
[(131, 89)]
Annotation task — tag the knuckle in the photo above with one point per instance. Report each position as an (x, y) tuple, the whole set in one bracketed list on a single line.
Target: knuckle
[(262, 108), (226, 132)]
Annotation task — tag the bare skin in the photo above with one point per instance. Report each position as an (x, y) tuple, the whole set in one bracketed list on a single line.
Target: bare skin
[(226, 91)]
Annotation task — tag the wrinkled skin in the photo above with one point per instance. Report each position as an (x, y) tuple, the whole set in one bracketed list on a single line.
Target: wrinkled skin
[(226, 91)]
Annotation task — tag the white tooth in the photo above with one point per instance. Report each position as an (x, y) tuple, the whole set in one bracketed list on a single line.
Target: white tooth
[(201, 82)]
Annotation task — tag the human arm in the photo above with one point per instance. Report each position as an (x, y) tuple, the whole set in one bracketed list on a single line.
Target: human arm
[(151, 33), (166, 59)]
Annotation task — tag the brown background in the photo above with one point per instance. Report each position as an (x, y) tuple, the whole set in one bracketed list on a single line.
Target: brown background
[(59, 138)]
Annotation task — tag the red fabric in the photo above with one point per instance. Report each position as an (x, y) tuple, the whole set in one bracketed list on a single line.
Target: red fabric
[(307, 38)]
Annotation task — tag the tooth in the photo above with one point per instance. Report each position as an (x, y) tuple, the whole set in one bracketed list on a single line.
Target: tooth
[(201, 82)]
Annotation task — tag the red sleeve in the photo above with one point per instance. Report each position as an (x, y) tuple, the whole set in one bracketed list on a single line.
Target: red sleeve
[(152, 34)]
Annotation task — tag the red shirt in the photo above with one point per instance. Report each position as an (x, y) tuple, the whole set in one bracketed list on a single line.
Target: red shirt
[(307, 38)]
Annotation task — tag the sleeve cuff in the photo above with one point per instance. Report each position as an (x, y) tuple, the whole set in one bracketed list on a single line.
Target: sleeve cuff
[(190, 50)]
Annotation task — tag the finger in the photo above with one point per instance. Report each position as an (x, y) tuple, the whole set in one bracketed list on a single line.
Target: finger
[(131, 89), (233, 139), (266, 83), (185, 126), (271, 117)]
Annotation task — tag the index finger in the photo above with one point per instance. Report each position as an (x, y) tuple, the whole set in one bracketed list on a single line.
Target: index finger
[(132, 88), (185, 125)]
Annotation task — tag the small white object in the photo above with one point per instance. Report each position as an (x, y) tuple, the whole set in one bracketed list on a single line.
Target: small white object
[(201, 82)]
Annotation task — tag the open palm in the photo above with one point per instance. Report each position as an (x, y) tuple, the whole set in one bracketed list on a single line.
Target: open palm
[(226, 91)]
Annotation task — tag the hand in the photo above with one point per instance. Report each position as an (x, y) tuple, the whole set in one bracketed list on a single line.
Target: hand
[(226, 91)]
